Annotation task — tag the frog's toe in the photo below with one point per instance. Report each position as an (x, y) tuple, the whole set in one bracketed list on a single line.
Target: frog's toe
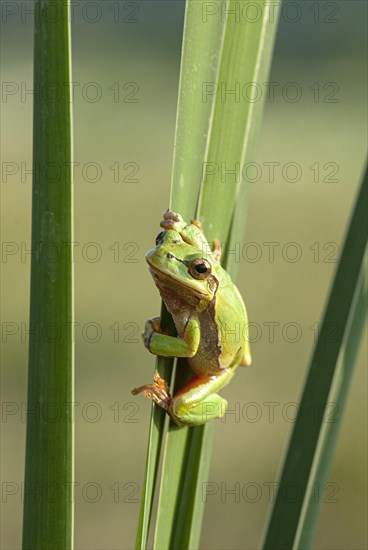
[(216, 250), (152, 325), (159, 391), (198, 224)]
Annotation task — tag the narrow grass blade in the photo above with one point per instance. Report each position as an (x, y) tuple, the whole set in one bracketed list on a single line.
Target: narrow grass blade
[(235, 122), (330, 429), (174, 465), (244, 56), (190, 508), (202, 40), (164, 366), (182, 462), (48, 510), (155, 436), (309, 451)]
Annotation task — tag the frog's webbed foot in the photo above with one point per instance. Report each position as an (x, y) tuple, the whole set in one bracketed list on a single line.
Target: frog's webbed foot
[(159, 391)]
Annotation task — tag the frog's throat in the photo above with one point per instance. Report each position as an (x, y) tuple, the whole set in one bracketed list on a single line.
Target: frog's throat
[(177, 302)]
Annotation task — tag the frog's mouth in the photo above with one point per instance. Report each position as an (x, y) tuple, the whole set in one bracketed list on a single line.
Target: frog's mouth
[(163, 280)]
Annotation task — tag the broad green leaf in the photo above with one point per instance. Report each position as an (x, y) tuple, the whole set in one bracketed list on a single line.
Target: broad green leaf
[(48, 522)]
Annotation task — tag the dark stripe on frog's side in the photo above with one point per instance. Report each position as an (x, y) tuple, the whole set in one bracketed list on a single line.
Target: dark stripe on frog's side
[(207, 358)]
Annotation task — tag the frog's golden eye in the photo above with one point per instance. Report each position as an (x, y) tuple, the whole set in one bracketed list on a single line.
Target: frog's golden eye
[(160, 237), (200, 268)]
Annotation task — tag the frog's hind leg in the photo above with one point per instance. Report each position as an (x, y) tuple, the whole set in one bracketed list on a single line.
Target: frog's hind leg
[(198, 401)]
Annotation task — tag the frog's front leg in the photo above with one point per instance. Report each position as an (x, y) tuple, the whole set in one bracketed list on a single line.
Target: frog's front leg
[(171, 346), (167, 346), (198, 402)]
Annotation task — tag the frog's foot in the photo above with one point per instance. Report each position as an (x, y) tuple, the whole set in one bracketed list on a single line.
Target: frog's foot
[(152, 325), (172, 220), (216, 250), (198, 224), (159, 392)]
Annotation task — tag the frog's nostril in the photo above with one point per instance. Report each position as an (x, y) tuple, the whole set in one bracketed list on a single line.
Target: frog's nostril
[(169, 256)]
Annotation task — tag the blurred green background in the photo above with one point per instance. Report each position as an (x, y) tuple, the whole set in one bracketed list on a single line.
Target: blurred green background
[(126, 60)]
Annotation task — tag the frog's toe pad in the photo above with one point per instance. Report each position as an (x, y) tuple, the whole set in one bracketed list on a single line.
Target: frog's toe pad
[(172, 220)]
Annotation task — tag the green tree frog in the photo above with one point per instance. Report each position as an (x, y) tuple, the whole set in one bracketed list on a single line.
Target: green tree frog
[(210, 319)]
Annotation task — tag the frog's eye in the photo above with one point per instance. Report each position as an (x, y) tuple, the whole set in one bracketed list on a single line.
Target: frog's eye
[(160, 237), (200, 268)]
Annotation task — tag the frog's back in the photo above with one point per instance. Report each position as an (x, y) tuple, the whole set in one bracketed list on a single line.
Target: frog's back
[(232, 323)]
